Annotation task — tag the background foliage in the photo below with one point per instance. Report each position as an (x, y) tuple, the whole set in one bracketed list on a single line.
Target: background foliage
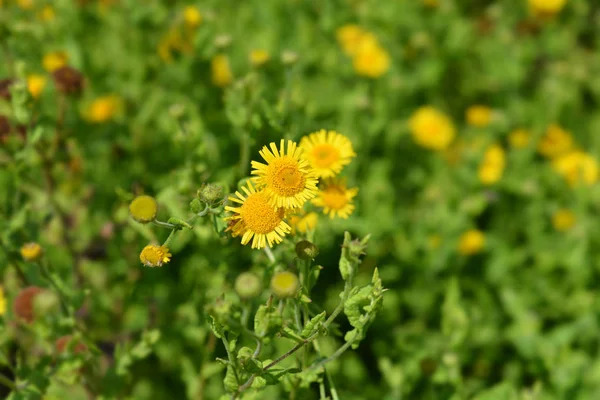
[(516, 319)]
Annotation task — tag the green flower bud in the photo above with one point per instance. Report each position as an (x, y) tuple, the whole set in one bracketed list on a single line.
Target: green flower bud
[(248, 285), (196, 206), (306, 250), (210, 193), (285, 284)]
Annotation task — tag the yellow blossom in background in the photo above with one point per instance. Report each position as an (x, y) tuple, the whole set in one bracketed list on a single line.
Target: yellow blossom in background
[(103, 109), (335, 198), (577, 167), (371, 60), (2, 299), (327, 152), (288, 179), (492, 166), (192, 17), (350, 38), (31, 251), (285, 284), (303, 222), (471, 242), (256, 219), (173, 41), (259, 57), (519, 138), (563, 220), (25, 4), (54, 60), (556, 141), (546, 8), (155, 256), (479, 116), (36, 84), (220, 70), (143, 208), (47, 14), (431, 128)]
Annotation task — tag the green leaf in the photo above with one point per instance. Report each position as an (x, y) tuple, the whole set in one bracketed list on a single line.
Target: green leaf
[(230, 381), (313, 325)]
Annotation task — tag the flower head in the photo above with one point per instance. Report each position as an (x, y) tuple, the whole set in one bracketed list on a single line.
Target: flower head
[(36, 84), (103, 109), (471, 242), (155, 256), (492, 166), (285, 284), (23, 305), (259, 57), (256, 218), (327, 152), (248, 285), (288, 179), (519, 138), (143, 209), (563, 220), (63, 343), (371, 60), (55, 60), (335, 198), (555, 142), (221, 71), (2, 301), (546, 8), (68, 80), (577, 167), (479, 116), (192, 17), (303, 222), (432, 129), (350, 37), (31, 251)]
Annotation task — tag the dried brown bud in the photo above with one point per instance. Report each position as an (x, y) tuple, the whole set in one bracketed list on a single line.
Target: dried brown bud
[(62, 343), (23, 304), (4, 128), (68, 80), (5, 88)]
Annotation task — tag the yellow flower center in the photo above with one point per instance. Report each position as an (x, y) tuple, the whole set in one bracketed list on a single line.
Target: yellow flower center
[(258, 216), (143, 208), (155, 256), (335, 198), (284, 177), (325, 155)]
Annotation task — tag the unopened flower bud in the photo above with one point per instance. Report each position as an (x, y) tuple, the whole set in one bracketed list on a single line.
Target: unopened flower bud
[(285, 284), (143, 209), (196, 206), (306, 250), (248, 285), (31, 251), (210, 193), (68, 80)]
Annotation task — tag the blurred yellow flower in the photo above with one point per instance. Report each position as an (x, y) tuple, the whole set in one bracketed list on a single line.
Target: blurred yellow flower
[(563, 220), (192, 17), (351, 36), (47, 14), (173, 41), (479, 116), (54, 60), (303, 222), (556, 141), (31, 251), (431, 128), (2, 301), (371, 60), (25, 4), (259, 57), (335, 198), (471, 242), (143, 209), (155, 256), (327, 152), (519, 138), (36, 84), (577, 167), (546, 8), (492, 166), (285, 284), (103, 109), (221, 71)]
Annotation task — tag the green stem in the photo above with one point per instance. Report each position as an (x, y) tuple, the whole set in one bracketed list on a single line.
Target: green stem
[(164, 224), (7, 382), (230, 358), (332, 388), (335, 355), (61, 294), (269, 254), (166, 243)]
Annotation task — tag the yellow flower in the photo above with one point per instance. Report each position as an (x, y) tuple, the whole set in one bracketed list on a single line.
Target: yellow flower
[(31, 251), (519, 138), (479, 116), (285, 284), (327, 152), (55, 60), (577, 167), (221, 71), (303, 222), (350, 38), (173, 41), (371, 60), (155, 256), (2, 301), (546, 8), (432, 129), (143, 209), (492, 166), (47, 14), (256, 218), (555, 142), (335, 198), (103, 109), (471, 242), (288, 179), (192, 17), (563, 220), (259, 57), (36, 84), (25, 4)]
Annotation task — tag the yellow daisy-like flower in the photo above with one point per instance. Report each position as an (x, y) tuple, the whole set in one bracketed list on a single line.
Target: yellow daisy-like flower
[(336, 199), (555, 142), (256, 218), (351, 36), (479, 116), (103, 109), (259, 57), (303, 222), (143, 209), (492, 167), (371, 60), (288, 179), (519, 138), (471, 242), (431, 128), (221, 75), (192, 17), (2, 301), (31, 251), (546, 8), (155, 256), (55, 60), (563, 220), (327, 152), (36, 84), (285, 284), (577, 167)]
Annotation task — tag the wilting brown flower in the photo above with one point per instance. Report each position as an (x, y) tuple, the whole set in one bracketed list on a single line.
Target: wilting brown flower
[(23, 304), (4, 128), (62, 343), (68, 80), (5, 87)]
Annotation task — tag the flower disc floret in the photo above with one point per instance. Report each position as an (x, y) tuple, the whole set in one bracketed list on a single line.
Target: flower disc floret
[(155, 256), (327, 152), (287, 179), (256, 218), (285, 284), (143, 209), (336, 199), (31, 251)]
